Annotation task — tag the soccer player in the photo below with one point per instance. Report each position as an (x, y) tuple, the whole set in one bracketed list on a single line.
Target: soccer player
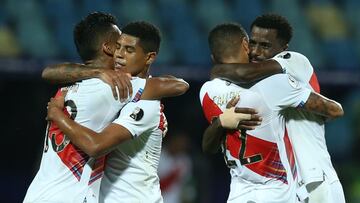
[(261, 161), (270, 35), (66, 173)]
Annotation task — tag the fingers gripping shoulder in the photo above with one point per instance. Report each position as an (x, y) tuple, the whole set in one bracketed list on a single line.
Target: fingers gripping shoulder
[(229, 119)]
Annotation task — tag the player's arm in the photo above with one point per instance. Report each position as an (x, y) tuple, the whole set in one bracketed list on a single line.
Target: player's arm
[(73, 72), (231, 119), (291, 93), (156, 88), (92, 143), (68, 73), (323, 106), (213, 136), (246, 72), (166, 86)]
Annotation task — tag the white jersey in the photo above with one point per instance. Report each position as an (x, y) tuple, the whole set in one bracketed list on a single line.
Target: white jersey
[(131, 169), (260, 158), (66, 173), (306, 130)]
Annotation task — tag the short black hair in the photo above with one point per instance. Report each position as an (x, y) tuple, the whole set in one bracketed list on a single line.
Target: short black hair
[(148, 34), (91, 32), (276, 22), (226, 38)]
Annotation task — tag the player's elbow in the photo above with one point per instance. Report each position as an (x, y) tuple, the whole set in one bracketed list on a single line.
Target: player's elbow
[(95, 151), (181, 87), (46, 74), (337, 112)]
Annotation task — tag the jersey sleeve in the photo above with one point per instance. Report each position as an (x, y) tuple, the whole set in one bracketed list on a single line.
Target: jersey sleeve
[(207, 93), (138, 85), (139, 117), (283, 91), (295, 64)]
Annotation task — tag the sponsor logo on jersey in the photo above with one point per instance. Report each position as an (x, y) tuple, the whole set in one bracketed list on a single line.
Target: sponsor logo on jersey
[(137, 114)]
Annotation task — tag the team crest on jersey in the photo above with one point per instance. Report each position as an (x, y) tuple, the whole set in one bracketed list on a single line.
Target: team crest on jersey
[(137, 114)]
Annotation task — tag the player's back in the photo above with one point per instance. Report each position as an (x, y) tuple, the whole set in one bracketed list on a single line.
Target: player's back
[(66, 173), (260, 159), (131, 169)]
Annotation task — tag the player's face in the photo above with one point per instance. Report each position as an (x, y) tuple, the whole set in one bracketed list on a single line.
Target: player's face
[(264, 44), (129, 55)]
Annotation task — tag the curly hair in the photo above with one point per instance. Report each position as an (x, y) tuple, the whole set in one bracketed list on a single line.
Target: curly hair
[(276, 22)]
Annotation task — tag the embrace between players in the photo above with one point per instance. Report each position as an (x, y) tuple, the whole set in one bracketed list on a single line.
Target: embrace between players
[(105, 131)]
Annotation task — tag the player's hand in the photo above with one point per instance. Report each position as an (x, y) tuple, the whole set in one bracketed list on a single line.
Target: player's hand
[(117, 79), (163, 122), (250, 124), (239, 118), (55, 105), (165, 126)]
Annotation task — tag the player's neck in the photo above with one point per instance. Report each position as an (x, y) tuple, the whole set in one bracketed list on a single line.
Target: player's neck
[(101, 62), (144, 73)]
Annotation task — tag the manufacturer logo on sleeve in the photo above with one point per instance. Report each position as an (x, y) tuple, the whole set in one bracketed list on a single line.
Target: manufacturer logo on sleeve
[(138, 95)]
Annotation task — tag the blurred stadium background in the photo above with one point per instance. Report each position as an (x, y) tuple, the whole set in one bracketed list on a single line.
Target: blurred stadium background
[(34, 33)]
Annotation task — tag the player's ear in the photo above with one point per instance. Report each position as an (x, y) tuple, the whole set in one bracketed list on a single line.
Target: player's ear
[(286, 46), (151, 56), (213, 58), (245, 44), (107, 49)]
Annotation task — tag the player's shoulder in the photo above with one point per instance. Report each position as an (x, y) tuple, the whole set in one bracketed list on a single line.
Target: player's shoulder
[(292, 57), (93, 84), (295, 64), (137, 80), (215, 85), (210, 83), (210, 87), (145, 110), (94, 90), (277, 82), (148, 104)]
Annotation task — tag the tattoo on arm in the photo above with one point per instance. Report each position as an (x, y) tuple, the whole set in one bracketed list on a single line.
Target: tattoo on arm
[(323, 106), (68, 73)]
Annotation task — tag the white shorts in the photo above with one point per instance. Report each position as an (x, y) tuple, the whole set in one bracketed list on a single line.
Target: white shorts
[(327, 193), (274, 192)]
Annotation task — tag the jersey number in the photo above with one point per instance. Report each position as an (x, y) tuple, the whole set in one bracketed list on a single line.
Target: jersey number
[(243, 160), (53, 134), (250, 159)]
